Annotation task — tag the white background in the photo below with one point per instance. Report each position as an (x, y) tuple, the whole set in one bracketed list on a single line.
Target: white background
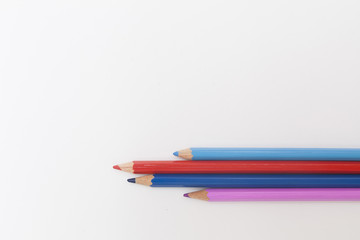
[(89, 84)]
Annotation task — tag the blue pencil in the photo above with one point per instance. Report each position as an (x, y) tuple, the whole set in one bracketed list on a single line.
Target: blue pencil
[(250, 180), (318, 154)]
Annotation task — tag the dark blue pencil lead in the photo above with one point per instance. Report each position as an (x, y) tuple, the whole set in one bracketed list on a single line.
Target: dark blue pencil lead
[(132, 180)]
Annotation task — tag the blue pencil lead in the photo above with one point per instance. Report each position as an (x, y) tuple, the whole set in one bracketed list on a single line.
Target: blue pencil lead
[(132, 180)]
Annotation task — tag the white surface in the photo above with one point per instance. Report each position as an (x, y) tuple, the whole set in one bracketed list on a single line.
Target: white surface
[(88, 84)]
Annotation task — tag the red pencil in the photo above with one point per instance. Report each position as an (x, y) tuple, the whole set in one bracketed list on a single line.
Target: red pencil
[(325, 167)]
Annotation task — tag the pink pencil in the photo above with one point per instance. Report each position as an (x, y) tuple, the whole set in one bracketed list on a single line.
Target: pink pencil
[(277, 194)]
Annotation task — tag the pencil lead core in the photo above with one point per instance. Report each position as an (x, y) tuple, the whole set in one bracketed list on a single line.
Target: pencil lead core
[(176, 154), (186, 195), (116, 167), (132, 180)]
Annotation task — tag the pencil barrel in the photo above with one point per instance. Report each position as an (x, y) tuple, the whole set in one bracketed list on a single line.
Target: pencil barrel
[(256, 180), (309, 154), (208, 167), (282, 194)]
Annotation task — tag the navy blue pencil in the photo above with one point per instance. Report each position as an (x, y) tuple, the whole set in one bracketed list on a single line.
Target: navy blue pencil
[(250, 180), (316, 154)]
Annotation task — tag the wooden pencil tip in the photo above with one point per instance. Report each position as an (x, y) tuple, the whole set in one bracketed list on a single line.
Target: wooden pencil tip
[(201, 195), (132, 180), (185, 154), (186, 195), (116, 167)]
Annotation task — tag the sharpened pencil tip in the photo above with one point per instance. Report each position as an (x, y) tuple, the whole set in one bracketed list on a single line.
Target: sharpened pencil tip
[(186, 195), (116, 167), (176, 154), (132, 180)]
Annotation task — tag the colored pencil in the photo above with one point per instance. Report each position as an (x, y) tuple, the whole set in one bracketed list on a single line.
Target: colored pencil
[(323, 167), (277, 194), (249, 180), (315, 154)]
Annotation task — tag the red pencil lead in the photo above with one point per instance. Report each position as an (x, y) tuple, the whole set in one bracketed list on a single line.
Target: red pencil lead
[(116, 167)]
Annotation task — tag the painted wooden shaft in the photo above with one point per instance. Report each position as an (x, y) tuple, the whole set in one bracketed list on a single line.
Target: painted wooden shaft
[(314, 154), (250, 180), (323, 167), (277, 194)]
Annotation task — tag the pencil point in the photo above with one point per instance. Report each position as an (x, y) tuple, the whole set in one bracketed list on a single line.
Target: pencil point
[(116, 167), (132, 180), (186, 195), (176, 154)]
